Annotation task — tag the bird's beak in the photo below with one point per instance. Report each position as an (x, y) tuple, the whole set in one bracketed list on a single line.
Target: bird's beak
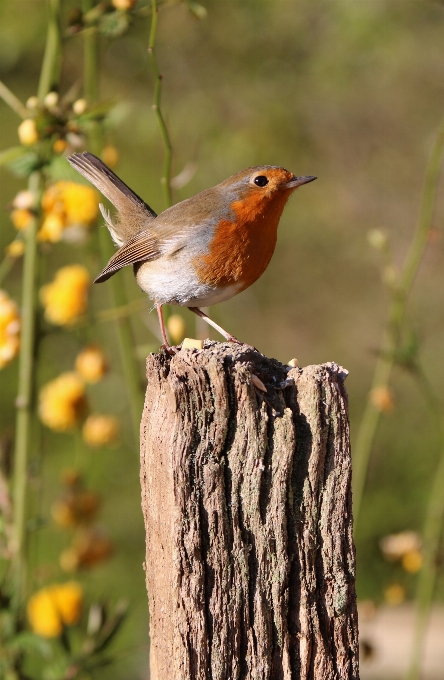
[(298, 181)]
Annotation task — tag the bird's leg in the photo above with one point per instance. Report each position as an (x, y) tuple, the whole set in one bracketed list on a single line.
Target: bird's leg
[(162, 326), (206, 318)]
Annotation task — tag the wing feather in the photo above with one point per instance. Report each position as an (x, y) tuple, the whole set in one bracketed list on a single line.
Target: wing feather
[(144, 246)]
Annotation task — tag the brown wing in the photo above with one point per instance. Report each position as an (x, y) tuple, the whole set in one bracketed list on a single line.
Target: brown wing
[(144, 246)]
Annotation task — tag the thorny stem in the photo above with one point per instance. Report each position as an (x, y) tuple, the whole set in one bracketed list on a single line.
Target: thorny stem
[(166, 177), (431, 537), (396, 316), (123, 327)]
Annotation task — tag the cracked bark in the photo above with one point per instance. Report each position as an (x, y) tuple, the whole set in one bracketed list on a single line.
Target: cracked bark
[(250, 563)]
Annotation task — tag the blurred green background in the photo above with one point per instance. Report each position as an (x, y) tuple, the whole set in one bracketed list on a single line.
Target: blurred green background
[(349, 90)]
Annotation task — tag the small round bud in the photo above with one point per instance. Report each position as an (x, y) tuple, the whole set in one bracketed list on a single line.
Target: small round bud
[(80, 106), (59, 146), (27, 132), (377, 239), (51, 99), (123, 4), (32, 103), (25, 200)]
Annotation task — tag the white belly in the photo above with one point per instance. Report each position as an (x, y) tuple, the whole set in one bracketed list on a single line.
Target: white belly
[(173, 281)]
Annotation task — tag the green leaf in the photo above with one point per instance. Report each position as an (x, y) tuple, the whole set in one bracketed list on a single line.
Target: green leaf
[(24, 164), (199, 11), (113, 24), (28, 642), (8, 156)]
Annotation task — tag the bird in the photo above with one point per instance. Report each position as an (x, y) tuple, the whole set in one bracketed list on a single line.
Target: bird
[(202, 250)]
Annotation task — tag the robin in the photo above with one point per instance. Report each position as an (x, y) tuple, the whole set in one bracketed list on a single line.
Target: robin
[(203, 250)]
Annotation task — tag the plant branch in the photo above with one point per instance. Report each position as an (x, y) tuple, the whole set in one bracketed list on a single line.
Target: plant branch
[(431, 535), (24, 397), (392, 336), (12, 101), (166, 176), (51, 66)]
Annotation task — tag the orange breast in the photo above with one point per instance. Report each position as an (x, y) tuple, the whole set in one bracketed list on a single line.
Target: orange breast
[(241, 250)]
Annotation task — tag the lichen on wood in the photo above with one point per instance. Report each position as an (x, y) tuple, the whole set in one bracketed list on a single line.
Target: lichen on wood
[(250, 564)]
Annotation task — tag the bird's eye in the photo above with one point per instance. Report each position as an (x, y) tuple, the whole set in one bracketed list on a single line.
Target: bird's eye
[(261, 181)]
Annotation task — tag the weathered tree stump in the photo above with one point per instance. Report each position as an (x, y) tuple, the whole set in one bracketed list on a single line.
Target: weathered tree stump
[(250, 563)]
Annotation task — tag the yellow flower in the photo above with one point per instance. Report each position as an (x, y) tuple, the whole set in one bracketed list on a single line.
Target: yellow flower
[(394, 594), (53, 607), (27, 132), (89, 548), (9, 329), (412, 561), (76, 508), (52, 228), (81, 203), (67, 204), (91, 364), (382, 399), (62, 401), (21, 218), (59, 146), (176, 328), (99, 430), (66, 298), (110, 155), (15, 249)]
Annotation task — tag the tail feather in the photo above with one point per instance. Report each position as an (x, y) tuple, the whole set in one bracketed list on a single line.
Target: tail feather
[(134, 214)]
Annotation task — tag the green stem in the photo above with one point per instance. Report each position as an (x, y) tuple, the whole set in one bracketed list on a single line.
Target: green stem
[(431, 539), (49, 76), (11, 100), (124, 331), (24, 397), (385, 363), (52, 60), (166, 176)]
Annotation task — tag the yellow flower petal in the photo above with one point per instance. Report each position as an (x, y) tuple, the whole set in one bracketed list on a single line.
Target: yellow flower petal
[(66, 298), (62, 402), (21, 218), (100, 430), (91, 364), (9, 329)]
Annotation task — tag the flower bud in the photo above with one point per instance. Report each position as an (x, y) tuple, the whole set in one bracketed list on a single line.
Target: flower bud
[(27, 132), (51, 100), (80, 106)]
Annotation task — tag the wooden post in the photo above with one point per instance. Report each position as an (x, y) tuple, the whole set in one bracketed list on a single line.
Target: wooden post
[(250, 563)]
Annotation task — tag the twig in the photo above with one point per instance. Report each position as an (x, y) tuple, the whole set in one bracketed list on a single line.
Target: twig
[(431, 536), (166, 177), (396, 316), (12, 101)]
